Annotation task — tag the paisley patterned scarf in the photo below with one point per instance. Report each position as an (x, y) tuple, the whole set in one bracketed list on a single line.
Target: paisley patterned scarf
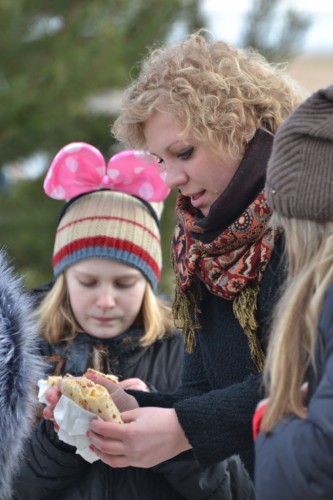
[(229, 261)]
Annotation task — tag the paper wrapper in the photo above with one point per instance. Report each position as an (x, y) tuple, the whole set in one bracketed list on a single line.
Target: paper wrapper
[(43, 386), (86, 400), (73, 423)]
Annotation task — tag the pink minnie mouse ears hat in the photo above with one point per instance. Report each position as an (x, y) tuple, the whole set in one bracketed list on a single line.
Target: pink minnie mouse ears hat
[(111, 209)]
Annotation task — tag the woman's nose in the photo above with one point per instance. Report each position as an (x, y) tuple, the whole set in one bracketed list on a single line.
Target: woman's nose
[(174, 176)]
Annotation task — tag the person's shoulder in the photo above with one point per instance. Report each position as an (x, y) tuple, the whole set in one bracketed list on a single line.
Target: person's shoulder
[(174, 334), (326, 315), (329, 295)]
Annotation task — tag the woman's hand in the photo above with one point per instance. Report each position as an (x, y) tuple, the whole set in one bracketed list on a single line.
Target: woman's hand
[(121, 399), (136, 384), (148, 437)]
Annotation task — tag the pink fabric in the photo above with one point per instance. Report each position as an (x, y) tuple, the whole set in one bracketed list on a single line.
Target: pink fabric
[(257, 419), (80, 168)]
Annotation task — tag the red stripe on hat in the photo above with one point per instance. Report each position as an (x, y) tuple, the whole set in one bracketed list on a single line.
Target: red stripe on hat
[(103, 241), (100, 217)]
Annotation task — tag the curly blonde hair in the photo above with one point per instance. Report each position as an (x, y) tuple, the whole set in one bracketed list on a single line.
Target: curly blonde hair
[(219, 94)]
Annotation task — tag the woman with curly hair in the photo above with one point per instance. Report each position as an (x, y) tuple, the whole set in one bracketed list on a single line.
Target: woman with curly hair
[(208, 112)]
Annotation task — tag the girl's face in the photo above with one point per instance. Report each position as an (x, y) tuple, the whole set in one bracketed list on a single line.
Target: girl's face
[(189, 166), (105, 295)]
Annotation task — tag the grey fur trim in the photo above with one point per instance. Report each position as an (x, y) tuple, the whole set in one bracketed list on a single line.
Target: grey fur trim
[(20, 368)]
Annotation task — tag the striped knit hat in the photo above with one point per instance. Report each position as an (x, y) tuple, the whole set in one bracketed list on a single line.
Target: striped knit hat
[(111, 225)]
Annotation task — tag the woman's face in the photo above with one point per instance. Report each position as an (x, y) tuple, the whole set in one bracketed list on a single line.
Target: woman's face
[(189, 166), (105, 296)]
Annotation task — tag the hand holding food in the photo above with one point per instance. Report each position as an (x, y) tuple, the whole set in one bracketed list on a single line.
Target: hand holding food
[(50, 390), (91, 397), (122, 400), (72, 402)]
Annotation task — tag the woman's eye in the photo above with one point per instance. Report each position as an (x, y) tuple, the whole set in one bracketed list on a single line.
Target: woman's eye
[(185, 155)]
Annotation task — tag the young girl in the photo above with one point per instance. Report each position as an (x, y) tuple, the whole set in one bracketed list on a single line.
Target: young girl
[(102, 312), (294, 451)]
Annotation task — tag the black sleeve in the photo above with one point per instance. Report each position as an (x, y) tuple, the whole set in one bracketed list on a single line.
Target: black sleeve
[(227, 480), (49, 465)]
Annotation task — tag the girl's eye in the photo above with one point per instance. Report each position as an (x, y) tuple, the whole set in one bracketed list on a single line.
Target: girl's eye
[(125, 284), (88, 284), (185, 155)]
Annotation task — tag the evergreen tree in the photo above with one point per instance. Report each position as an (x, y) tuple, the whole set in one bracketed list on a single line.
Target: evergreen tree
[(56, 54), (55, 57)]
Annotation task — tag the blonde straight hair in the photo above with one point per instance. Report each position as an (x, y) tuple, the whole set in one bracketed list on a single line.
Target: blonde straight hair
[(57, 322), (291, 349)]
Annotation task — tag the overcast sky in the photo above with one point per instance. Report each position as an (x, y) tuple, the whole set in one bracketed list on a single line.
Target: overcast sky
[(226, 18)]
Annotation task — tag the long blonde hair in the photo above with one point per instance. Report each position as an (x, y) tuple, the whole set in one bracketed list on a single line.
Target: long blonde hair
[(291, 350), (57, 321), (219, 94)]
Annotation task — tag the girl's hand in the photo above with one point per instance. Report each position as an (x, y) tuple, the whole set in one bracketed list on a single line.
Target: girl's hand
[(149, 436), (52, 396), (136, 384)]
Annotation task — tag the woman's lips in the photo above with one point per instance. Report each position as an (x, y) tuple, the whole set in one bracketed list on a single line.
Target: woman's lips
[(197, 198)]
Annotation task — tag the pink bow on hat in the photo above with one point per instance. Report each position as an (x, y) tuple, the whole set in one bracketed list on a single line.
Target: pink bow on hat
[(80, 168)]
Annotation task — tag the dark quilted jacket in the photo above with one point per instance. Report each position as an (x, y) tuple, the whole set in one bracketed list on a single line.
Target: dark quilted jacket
[(295, 462)]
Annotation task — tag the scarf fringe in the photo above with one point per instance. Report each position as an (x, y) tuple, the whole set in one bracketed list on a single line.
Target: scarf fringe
[(244, 308), (185, 312)]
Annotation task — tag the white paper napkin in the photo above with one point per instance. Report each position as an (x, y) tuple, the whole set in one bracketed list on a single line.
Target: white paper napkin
[(73, 423), (43, 386)]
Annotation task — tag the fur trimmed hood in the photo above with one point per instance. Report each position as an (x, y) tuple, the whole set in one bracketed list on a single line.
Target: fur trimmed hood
[(20, 368)]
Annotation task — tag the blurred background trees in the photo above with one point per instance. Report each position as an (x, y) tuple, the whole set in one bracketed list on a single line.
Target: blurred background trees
[(274, 31), (56, 55), (62, 66)]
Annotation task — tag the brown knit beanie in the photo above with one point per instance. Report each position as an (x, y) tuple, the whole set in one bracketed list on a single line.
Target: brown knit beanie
[(300, 169)]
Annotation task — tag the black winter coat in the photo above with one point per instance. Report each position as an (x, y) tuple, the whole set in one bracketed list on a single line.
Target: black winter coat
[(220, 384), (295, 462), (53, 471)]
